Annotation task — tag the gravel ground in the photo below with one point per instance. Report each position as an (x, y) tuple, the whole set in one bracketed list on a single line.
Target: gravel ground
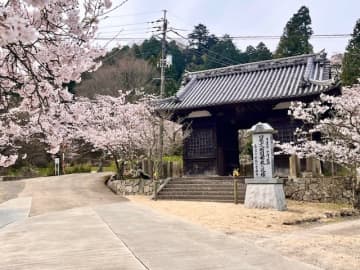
[(333, 246), (329, 244), (231, 218)]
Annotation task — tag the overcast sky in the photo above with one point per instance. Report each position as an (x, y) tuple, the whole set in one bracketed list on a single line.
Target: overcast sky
[(234, 17)]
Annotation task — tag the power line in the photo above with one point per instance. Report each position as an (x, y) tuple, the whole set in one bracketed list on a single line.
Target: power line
[(135, 14), (127, 32), (206, 49), (221, 62), (278, 37), (116, 7), (130, 29), (120, 38), (113, 54), (256, 37), (129, 24)]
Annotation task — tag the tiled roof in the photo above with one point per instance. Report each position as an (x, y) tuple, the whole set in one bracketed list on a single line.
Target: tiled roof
[(266, 80)]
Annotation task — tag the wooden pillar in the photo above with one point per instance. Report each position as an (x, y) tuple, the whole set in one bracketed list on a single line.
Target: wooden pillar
[(313, 166), (309, 164), (294, 166), (151, 168), (144, 166), (316, 168), (165, 172), (170, 169)]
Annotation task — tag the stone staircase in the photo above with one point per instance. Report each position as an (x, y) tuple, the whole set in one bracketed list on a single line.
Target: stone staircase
[(209, 188)]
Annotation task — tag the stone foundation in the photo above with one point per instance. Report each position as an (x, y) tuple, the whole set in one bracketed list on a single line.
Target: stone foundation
[(131, 186), (265, 194), (319, 189)]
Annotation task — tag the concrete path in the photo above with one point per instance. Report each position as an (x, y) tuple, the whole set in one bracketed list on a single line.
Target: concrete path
[(162, 242), (102, 231), (60, 192), (72, 239), (14, 210), (126, 236)]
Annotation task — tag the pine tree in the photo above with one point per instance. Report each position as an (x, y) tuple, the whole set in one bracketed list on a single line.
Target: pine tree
[(351, 63), (250, 53), (199, 37), (223, 53), (262, 52), (296, 35)]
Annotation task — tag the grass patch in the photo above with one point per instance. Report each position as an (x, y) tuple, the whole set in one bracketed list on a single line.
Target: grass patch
[(80, 168), (172, 159)]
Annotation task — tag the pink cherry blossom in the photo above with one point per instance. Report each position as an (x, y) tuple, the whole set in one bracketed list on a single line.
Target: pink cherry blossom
[(44, 44), (337, 119)]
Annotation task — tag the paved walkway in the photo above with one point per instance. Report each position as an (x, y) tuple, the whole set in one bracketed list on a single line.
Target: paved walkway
[(73, 239), (77, 223), (58, 193), (126, 236), (163, 242), (14, 210)]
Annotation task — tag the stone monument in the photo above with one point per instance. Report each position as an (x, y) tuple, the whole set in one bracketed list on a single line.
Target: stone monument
[(264, 191)]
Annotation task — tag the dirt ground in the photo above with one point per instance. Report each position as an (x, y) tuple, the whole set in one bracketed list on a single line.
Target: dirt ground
[(231, 218), (329, 244)]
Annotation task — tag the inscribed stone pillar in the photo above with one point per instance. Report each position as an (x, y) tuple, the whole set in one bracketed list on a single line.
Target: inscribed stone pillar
[(264, 191)]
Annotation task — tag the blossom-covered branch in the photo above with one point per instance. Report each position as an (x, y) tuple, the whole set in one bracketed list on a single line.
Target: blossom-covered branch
[(44, 45), (337, 119)]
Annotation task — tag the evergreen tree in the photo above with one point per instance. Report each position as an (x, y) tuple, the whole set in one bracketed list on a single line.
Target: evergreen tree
[(199, 37), (200, 42), (175, 71), (296, 35), (150, 50), (262, 52), (351, 63), (223, 53), (250, 54)]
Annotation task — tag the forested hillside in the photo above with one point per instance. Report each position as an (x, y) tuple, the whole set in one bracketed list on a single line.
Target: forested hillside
[(136, 66)]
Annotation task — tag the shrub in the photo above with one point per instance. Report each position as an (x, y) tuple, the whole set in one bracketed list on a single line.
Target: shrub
[(79, 168)]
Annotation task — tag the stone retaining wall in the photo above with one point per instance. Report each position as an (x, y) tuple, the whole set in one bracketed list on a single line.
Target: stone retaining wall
[(131, 187), (316, 189), (319, 189)]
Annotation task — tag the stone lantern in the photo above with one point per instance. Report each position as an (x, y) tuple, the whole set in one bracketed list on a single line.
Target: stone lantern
[(264, 191)]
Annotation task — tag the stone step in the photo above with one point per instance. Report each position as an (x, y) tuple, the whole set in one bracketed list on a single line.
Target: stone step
[(213, 198), (216, 189), (198, 192), (176, 185), (207, 178), (201, 182), (204, 189)]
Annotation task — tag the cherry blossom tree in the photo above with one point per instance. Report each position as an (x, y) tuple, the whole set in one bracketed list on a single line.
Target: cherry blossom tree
[(44, 45), (112, 125), (337, 120), (123, 130)]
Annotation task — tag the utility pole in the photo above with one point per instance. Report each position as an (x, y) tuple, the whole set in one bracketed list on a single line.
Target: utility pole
[(162, 91)]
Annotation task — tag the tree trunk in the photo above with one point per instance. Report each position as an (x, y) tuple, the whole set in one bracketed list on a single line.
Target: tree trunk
[(355, 189), (357, 199), (119, 169), (101, 165)]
